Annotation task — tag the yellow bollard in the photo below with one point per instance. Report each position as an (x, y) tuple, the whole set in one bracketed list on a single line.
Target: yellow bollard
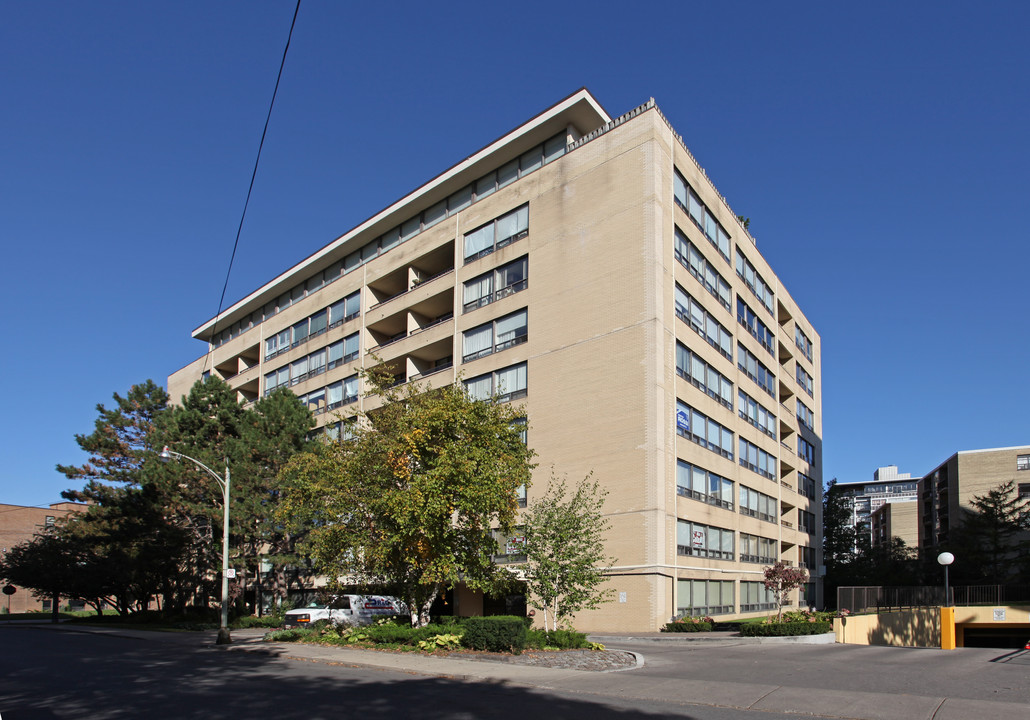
[(947, 628)]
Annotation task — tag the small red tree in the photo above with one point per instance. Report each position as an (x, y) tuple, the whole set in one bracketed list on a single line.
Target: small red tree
[(781, 579)]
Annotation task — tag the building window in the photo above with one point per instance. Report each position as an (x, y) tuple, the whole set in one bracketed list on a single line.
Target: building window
[(754, 281), (806, 486), (756, 414), (703, 376), (805, 381), (758, 505), (805, 416), (700, 598), (510, 548), (807, 559), (499, 283), (343, 351), (754, 369), (758, 329), (709, 434), (49, 521), (703, 541), (694, 314), (705, 273), (501, 334), (690, 201), (758, 460), (755, 596), (802, 341), (507, 384), (1022, 462), (757, 549), (806, 451), (699, 484), (347, 309), (497, 233), (806, 521), (1023, 491)]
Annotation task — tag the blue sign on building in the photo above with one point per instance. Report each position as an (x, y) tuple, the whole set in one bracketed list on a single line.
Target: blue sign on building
[(683, 420)]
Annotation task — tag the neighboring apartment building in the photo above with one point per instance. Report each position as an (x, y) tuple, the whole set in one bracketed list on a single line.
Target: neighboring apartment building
[(896, 520), (18, 524), (586, 268), (888, 486), (946, 492)]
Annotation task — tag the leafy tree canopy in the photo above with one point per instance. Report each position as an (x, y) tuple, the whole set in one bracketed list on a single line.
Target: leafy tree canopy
[(409, 500)]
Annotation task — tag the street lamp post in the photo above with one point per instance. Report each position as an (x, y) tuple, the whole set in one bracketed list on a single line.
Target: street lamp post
[(223, 631), (946, 559)]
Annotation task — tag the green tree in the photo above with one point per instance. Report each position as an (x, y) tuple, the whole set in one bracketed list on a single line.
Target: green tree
[(255, 442), (409, 500), (781, 580), (565, 561), (839, 541), (992, 534)]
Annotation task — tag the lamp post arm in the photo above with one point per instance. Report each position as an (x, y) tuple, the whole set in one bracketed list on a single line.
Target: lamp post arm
[(212, 473)]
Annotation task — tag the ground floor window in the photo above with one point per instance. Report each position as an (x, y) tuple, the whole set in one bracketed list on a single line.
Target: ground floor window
[(697, 598), (755, 596)]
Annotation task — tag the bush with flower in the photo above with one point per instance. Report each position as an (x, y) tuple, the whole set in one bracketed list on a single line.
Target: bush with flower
[(689, 623)]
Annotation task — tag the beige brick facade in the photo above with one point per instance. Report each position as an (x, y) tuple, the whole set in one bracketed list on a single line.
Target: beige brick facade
[(598, 350)]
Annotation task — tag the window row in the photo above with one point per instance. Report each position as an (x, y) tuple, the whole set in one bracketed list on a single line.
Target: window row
[(806, 451), (694, 314), (336, 314), (754, 369), (759, 505), (755, 596), (758, 549), (754, 281), (697, 427), (758, 460), (758, 329), (756, 414), (805, 416), (332, 396), (490, 183), (509, 383), (495, 336), (689, 200), (703, 541), (700, 598), (500, 282), (703, 376), (705, 273), (805, 380), (700, 484), (497, 233), (314, 364), (802, 341)]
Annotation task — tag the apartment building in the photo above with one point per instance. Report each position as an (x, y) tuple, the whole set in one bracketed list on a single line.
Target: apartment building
[(946, 492), (866, 498), (586, 268), (20, 524)]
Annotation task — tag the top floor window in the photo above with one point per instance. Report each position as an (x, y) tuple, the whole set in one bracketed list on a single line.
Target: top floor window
[(689, 200), (802, 341), (497, 233), (1023, 462)]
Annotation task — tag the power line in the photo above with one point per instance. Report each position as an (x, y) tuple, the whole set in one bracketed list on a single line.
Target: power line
[(253, 175)]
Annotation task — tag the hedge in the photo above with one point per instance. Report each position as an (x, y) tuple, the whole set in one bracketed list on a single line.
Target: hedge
[(496, 633), (687, 626), (780, 629)]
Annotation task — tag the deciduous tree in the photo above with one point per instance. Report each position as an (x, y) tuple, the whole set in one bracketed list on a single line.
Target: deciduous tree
[(565, 561), (409, 500), (781, 579)]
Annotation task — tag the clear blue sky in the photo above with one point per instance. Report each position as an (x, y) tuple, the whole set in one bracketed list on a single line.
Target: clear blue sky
[(880, 150)]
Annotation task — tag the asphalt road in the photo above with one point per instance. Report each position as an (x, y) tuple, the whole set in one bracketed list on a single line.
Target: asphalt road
[(48, 672)]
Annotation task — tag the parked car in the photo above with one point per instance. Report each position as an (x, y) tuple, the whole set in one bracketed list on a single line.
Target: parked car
[(347, 610)]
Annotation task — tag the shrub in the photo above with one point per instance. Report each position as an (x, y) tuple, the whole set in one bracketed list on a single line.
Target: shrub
[(251, 621), (556, 639), (440, 642), (288, 635), (690, 624), (781, 629), (497, 633)]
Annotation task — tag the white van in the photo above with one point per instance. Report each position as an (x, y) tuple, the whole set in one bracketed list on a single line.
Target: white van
[(347, 610)]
